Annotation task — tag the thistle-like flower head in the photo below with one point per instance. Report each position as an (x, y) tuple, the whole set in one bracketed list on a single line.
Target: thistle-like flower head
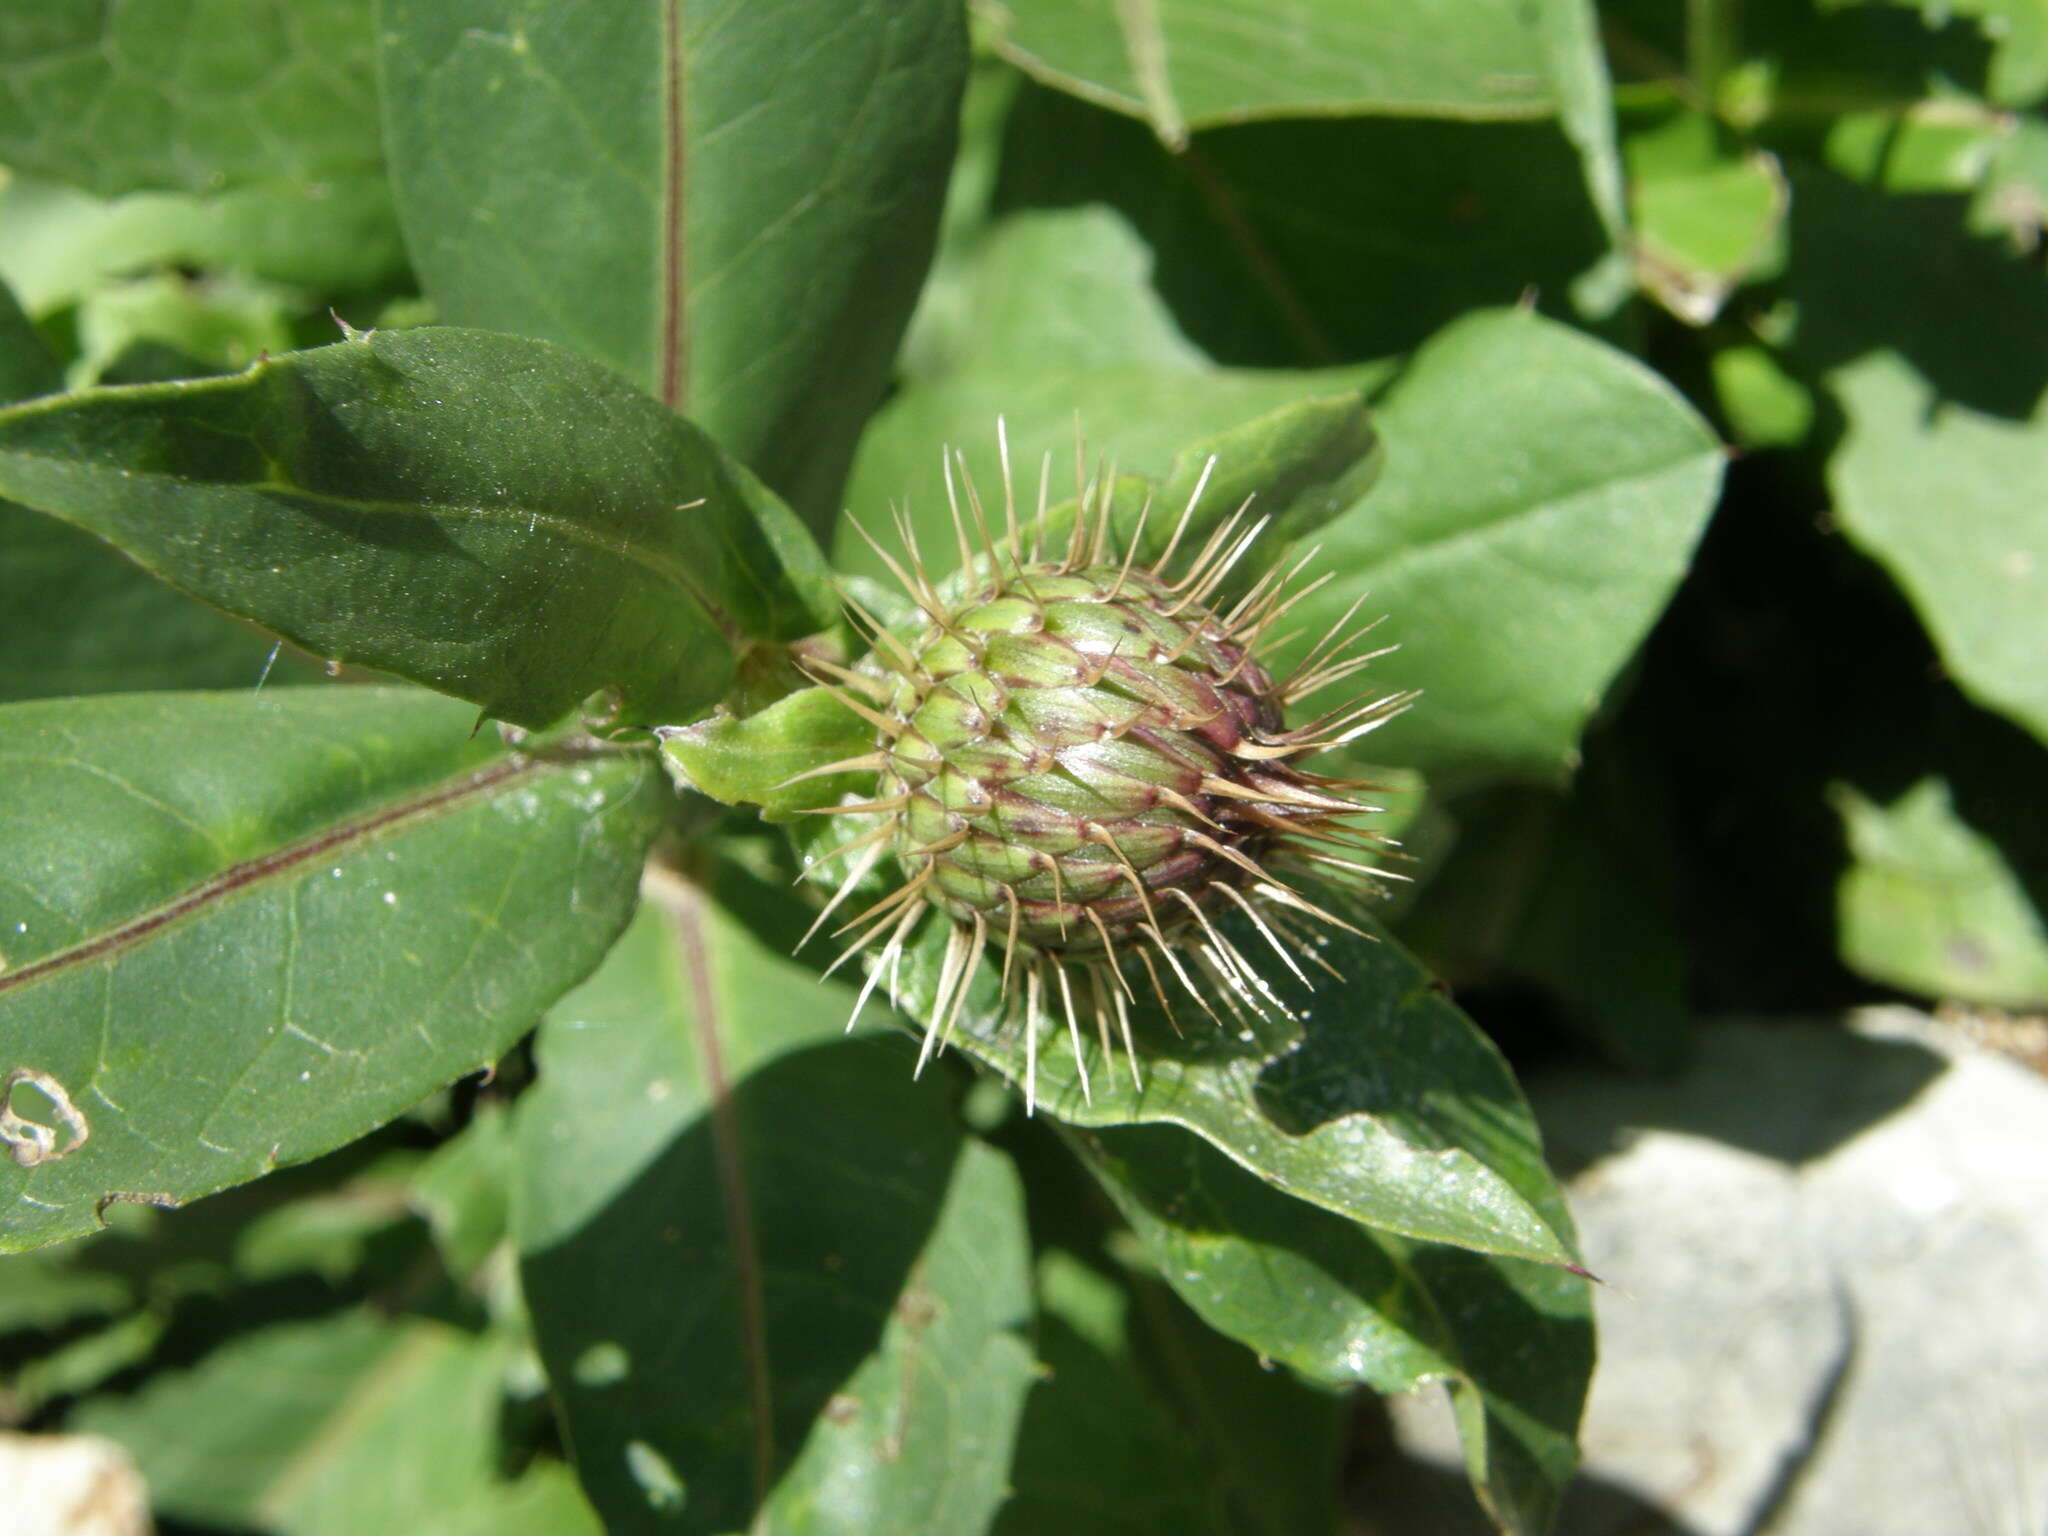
[(1081, 762)]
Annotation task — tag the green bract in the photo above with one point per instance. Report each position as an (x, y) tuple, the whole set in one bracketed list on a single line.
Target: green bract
[(1080, 757)]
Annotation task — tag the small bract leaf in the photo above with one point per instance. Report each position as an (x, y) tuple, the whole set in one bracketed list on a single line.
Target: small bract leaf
[(779, 758)]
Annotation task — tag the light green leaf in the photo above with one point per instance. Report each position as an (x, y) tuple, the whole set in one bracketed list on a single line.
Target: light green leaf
[(187, 94), (59, 244), (463, 1189), (328, 1428), (1542, 497), (544, 1502), (1376, 1099), (756, 759), (1181, 66), (240, 930), (1978, 572), (773, 1286), (732, 208), (1144, 399), (1707, 217), (216, 324), (1283, 435), (494, 517), (1345, 1304), (1931, 906), (46, 1292)]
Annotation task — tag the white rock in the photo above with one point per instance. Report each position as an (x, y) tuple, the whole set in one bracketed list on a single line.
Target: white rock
[(1826, 1310), (70, 1485)]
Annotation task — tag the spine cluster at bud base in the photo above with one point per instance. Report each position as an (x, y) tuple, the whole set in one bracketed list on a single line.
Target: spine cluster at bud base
[(1080, 760)]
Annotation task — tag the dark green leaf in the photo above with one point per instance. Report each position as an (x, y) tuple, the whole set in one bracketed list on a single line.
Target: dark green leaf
[(76, 618), (731, 208), (1342, 1303), (765, 1270), (494, 517), (1542, 497), (240, 930), (328, 1428), (1930, 905), (1148, 1421), (187, 94), (1376, 1098), (26, 366)]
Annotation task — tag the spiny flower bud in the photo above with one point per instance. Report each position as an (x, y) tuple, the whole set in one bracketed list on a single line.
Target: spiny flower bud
[(1080, 758)]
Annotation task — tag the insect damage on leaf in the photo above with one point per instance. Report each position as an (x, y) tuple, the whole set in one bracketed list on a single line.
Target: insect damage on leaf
[(1079, 757), (28, 1142)]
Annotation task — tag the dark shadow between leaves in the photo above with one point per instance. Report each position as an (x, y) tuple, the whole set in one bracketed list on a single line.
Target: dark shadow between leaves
[(1793, 1092), (1877, 271), (662, 1326)]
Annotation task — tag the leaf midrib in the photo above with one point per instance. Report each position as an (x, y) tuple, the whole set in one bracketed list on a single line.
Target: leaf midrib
[(633, 551), (265, 868)]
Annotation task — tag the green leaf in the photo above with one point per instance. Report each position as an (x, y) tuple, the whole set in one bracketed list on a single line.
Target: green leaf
[(1263, 256), (1542, 497), (1143, 397), (1376, 1099), (745, 1326), (496, 518), (26, 366), (45, 1292), (1098, 1454), (1180, 66), (1707, 218), (756, 759), (216, 324), (76, 618), (1978, 572), (1149, 1421), (240, 930), (327, 1428), (59, 244), (463, 1189), (733, 208), (1930, 339), (1931, 906), (544, 1502), (1343, 1304), (187, 94)]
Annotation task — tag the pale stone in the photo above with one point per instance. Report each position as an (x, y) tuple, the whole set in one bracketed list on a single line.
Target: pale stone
[(70, 1485)]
